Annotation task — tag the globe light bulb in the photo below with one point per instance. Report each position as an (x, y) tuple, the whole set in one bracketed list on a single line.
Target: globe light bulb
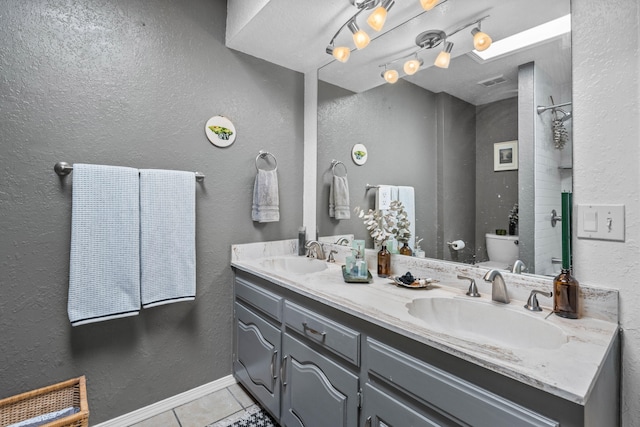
[(361, 39), (377, 18), (341, 53), (391, 76), (481, 41), (428, 4), (412, 66)]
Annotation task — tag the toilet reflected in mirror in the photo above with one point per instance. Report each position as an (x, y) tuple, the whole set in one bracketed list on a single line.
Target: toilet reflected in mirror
[(503, 251)]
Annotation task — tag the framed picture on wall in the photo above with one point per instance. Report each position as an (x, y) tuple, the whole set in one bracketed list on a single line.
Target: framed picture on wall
[(505, 156)]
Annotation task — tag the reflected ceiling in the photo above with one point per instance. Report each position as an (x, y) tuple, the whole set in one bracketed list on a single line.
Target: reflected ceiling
[(295, 34)]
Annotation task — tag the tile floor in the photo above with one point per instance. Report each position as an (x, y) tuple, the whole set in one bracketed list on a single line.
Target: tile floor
[(230, 402)]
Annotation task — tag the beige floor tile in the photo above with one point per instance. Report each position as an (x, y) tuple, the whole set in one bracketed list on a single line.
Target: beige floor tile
[(241, 395), (166, 419), (208, 409)]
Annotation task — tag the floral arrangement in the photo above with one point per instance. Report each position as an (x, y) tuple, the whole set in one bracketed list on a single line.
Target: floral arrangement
[(393, 223), (513, 215)]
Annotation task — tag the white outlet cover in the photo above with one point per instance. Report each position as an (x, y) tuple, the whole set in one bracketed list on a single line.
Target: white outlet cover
[(601, 222)]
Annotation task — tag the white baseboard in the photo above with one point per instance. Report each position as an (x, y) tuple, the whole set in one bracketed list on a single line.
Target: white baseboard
[(168, 403)]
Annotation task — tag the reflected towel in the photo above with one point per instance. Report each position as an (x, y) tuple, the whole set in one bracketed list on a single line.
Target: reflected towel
[(266, 203), (167, 236), (407, 197), (104, 268), (339, 198)]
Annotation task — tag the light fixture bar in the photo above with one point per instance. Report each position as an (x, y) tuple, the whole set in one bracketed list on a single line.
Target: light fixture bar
[(433, 38)]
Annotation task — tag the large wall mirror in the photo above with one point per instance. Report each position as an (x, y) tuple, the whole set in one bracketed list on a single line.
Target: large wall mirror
[(437, 131)]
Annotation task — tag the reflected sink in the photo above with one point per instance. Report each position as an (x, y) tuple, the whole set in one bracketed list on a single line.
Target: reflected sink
[(294, 265), (487, 323)]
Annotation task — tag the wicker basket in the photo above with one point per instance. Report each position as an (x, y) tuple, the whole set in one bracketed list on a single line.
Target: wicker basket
[(48, 399)]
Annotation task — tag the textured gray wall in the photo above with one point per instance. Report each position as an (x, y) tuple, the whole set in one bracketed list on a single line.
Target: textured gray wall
[(397, 125), (456, 176), (496, 192), (132, 83)]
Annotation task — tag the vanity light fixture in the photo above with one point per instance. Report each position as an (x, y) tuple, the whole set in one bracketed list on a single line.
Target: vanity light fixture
[(360, 37), (378, 17), (391, 76), (412, 66), (481, 41), (428, 4), (444, 57), (430, 39)]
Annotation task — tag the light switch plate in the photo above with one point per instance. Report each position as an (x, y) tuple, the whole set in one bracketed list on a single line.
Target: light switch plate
[(601, 222)]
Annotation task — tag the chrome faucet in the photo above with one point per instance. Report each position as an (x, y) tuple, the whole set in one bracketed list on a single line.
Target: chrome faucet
[(518, 266), (343, 241), (498, 287), (314, 249)]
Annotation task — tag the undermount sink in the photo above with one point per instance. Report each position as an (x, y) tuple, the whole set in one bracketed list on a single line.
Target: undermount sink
[(294, 265), (487, 323)]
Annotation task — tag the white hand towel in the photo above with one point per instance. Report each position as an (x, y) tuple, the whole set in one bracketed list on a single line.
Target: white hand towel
[(104, 269), (167, 236), (407, 197), (339, 198), (266, 203)]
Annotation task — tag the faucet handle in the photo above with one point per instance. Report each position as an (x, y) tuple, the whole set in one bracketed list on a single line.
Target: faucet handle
[(532, 302), (330, 258), (473, 289)]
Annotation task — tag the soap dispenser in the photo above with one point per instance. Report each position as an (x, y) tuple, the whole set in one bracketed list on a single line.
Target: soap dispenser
[(359, 266)]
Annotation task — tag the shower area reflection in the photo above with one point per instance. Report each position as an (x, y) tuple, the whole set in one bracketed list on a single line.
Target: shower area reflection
[(546, 147)]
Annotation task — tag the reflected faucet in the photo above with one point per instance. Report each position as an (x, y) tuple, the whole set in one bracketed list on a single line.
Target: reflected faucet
[(314, 249), (498, 287), (343, 241), (518, 266)]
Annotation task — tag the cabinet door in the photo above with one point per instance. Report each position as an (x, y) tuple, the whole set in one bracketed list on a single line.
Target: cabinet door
[(382, 410), (317, 392), (256, 357)]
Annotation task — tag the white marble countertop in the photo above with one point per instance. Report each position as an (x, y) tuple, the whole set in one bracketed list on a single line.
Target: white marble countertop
[(568, 371)]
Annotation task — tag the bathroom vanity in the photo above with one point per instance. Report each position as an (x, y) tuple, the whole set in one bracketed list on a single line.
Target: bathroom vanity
[(316, 351)]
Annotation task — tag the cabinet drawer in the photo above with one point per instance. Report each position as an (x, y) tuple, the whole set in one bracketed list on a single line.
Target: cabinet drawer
[(339, 339), (267, 302), (449, 394)]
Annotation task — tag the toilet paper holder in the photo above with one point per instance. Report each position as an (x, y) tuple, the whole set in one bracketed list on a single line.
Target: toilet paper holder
[(457, 245)]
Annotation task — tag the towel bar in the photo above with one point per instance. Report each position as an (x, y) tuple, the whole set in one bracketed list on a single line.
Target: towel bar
[(369, 186), (64, 169)]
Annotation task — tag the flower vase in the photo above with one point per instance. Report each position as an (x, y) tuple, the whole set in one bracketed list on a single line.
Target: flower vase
[(513, 229), (384, 261)]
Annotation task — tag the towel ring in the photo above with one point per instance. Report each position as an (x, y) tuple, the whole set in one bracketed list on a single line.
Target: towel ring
[(263, 154), (335, 163)]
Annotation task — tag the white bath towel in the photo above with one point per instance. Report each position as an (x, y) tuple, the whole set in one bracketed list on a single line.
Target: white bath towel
[(266, 203), (104, 269), (167, 236), (339, 198), (407, 197)]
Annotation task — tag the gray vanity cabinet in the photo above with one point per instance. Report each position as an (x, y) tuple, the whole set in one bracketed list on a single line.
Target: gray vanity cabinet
[(317, 392), (312, 365), (257, 343), (446, 399)]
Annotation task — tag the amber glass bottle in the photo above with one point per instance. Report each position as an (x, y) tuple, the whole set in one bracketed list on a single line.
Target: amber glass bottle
[(405, 250), (384, 261), (566, 292)]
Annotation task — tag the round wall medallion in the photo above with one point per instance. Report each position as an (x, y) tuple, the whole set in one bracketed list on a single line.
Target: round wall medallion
[(220, 131), (359, 154)]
